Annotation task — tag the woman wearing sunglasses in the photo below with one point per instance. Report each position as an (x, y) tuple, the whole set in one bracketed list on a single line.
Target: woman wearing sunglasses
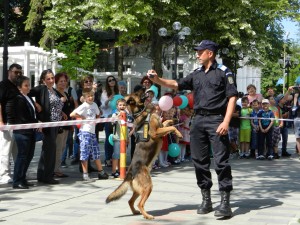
[(111, 89)]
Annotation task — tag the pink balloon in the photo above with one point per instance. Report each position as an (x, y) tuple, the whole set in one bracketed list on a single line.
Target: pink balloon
[(165, 103)]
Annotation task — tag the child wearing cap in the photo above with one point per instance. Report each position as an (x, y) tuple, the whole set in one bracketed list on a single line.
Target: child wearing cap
[(150, 94), (265, 131)]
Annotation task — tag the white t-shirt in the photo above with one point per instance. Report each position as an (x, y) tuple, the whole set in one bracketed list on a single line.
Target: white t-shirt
[(89, 111), (106, 109)]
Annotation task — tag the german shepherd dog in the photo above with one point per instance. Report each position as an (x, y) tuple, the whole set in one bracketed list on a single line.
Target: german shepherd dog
[(138, 174)]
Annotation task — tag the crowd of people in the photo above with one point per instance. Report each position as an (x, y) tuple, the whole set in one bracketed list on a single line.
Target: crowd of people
[(55, 100), (220, 121), (260, 123)]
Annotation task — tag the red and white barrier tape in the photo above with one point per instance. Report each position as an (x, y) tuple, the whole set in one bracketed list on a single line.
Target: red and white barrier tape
[(261, 118), (99, 120), (58, 124)]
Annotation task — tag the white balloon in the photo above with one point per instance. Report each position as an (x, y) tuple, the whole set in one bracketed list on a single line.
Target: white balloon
[(165, 103)]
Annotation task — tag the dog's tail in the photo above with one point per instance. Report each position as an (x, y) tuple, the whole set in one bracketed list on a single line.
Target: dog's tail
[(119, 192)]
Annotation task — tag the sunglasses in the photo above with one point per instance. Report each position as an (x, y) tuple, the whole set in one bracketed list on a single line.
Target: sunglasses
[(17, 72), (88, 81), (111, 80)]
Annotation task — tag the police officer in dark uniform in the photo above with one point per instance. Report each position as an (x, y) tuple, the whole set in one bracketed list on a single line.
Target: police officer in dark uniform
[(215, 95)]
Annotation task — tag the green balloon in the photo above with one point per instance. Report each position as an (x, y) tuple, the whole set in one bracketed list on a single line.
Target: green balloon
[(173, 150), (111, 139)]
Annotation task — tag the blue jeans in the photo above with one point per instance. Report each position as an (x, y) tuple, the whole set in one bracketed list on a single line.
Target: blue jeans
[(254, 139), (76, 143), (284, 134), (26, 146), (265, 137), (108, 148), (69, 146)]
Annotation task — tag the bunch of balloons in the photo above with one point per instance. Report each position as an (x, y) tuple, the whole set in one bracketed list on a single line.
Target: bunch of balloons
[(182, 101)]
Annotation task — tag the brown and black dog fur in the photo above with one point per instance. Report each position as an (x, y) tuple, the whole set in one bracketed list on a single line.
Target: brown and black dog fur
[(138, 174)]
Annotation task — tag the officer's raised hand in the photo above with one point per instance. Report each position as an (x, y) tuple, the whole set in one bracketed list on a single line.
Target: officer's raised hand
[(152, 75)]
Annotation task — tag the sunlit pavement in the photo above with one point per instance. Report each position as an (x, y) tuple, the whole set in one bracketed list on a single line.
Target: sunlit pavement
[(265, 192)]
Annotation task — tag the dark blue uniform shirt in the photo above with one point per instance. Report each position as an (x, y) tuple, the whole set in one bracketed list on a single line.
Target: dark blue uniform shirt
[(212, 88)]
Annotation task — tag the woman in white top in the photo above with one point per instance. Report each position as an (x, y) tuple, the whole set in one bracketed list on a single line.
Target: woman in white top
[(111, 89)]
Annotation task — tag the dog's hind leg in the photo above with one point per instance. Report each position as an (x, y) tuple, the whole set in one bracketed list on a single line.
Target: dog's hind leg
[(131, 203), (144, 196)]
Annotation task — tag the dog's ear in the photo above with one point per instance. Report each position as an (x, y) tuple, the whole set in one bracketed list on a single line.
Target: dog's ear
[(130, 101)]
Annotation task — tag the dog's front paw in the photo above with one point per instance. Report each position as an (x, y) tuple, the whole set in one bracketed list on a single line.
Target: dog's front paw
[(168, 123), (178, 134)]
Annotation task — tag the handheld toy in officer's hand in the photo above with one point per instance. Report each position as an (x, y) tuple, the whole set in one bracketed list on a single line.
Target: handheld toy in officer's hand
[(151, 75)]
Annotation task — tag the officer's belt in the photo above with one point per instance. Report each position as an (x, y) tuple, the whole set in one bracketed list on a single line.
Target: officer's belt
[(204, 112)]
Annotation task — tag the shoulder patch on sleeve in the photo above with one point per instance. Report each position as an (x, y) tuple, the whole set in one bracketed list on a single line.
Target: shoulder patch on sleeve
[(222, 67), (228, 74), (230, 80)]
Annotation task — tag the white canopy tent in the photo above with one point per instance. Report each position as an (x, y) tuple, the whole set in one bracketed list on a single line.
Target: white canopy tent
[(33, 60)]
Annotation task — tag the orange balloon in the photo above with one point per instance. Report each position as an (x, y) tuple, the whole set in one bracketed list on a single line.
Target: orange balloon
[(78, 125)]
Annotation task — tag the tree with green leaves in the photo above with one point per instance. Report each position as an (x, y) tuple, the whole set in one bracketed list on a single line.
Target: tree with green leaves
[(80, 54), (250, 27)]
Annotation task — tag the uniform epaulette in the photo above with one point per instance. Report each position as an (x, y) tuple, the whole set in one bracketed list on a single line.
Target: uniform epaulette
[(222, 67), (199, 68)]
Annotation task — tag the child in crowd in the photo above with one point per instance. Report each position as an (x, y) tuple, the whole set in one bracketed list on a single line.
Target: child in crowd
[(121, 107), (245, 129), (150, 94), (233, 131), (89, 146), (158, 111), (277, 124), (265, 131), (167, 139), (184, 128), (255, 127)]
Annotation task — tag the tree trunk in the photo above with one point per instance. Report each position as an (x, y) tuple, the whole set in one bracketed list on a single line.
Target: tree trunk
[(119, 57), (156, 49), (120, 63), (156, 52)]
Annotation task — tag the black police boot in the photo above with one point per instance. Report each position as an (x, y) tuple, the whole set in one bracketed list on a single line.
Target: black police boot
[(206, 205), (224, 209)]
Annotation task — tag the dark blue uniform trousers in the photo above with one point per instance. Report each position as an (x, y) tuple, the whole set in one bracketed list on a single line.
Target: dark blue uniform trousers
[(203, 135)]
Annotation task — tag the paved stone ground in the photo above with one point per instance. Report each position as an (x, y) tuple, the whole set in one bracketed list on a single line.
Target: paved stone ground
[(265, 192)]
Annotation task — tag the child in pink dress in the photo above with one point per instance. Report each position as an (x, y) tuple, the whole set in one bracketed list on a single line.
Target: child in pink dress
[(184, 128)]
